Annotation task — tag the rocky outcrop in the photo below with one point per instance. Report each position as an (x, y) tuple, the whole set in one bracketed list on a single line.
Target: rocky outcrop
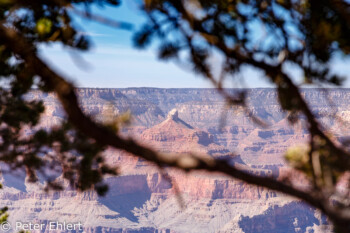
[(176, 136), (281, 220)]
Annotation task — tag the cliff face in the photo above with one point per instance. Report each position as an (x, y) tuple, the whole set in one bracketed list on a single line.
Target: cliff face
[(280, 219), (143, 199), (176, 136)]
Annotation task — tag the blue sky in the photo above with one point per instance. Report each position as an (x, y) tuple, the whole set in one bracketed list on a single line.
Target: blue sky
[(114, 62)]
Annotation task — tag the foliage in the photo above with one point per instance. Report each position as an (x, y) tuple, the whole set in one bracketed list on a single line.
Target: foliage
[(74, 154), (3, 212), (270, 36)]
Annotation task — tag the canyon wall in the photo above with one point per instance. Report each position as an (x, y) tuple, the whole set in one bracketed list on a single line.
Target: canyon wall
[(143, 199)]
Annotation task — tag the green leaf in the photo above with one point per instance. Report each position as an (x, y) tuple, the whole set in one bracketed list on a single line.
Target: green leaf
[(44, 26)]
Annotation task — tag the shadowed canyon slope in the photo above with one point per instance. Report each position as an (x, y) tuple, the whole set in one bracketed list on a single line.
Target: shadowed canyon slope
[(143, 199)]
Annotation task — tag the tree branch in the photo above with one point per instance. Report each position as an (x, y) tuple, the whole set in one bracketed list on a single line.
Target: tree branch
[(66, 94), (103, 20), (274, 72)]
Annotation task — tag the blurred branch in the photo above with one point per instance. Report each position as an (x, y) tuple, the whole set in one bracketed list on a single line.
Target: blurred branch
[(103, 20), (66, 94), (280, 78)]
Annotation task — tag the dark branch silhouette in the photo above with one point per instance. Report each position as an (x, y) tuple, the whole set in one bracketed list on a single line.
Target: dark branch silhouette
[(199, 29)]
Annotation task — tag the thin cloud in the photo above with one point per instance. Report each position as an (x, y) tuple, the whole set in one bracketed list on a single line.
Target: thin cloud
[(93, 34)]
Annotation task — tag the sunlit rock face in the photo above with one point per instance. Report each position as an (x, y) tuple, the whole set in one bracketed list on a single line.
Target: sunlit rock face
[(144, 199), (176, 136)]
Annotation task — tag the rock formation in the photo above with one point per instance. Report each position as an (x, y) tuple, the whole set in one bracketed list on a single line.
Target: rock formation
[(176, 136)]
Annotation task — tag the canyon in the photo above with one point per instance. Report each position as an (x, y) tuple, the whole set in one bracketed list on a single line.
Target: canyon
[(144, 198)]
